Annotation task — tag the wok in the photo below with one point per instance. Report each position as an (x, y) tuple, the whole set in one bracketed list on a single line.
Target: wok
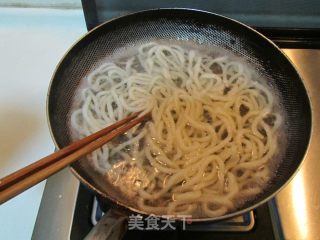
[(183, 25)]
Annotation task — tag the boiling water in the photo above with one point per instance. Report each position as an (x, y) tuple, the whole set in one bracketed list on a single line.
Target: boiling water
[(128, 177)]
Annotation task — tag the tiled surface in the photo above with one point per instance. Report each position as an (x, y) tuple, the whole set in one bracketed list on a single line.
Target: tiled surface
[(32, 41), (39, 3)]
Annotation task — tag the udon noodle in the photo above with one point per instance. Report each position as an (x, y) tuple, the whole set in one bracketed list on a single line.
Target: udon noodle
[(213, 132)]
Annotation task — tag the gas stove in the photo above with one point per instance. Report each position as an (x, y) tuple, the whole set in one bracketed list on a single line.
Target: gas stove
[(69, 211)]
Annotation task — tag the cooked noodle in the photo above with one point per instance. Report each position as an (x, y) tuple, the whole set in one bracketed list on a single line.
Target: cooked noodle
[(213, 130)]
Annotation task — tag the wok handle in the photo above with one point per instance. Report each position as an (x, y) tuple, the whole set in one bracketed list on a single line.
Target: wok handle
[(112, 226)]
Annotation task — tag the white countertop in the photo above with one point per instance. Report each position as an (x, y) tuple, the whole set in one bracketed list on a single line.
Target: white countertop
[(32, 41)]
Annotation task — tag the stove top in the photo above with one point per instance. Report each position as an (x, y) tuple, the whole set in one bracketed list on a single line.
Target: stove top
[(256, 224), (66, 207), (242, 223)]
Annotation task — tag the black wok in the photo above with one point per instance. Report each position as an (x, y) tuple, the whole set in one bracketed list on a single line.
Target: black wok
[(183, 25)]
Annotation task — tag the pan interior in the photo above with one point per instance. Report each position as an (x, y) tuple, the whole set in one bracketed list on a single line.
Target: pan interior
[(185, 26)]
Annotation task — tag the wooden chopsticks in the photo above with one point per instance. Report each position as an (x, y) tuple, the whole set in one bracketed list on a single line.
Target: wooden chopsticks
[(34, 173)]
